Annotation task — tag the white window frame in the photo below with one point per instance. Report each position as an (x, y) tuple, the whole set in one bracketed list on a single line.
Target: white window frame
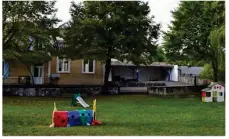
[(93, 72), (57, 65)]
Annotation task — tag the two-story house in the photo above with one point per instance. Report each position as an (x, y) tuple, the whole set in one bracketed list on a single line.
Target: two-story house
[(86, 72)]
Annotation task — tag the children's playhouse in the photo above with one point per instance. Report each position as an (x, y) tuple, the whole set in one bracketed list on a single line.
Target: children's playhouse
[(213, 93)]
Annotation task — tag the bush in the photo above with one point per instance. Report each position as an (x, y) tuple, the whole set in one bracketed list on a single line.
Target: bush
[(207, 73)]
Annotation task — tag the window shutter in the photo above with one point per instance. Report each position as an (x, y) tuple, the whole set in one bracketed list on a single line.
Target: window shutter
[(6, 69)]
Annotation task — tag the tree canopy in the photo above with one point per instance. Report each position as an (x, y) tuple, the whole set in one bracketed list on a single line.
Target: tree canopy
[(102, 30), (28, 30), (189, 36), (29, 34)]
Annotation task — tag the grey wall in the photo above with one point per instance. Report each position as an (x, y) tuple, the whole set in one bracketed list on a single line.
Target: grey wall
[(144, 74), (125, 72), (147, 73)]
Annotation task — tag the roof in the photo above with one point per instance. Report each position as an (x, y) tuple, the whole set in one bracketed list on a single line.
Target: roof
[(206, 89), (214, 83), (154, 64), (190, 70)]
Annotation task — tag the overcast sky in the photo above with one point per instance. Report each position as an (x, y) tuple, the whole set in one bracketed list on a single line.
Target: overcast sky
[(159, 8)]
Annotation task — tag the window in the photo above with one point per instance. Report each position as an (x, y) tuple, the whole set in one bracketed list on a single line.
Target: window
[(58, 43), (220, 93), (214, 93), (208, 94), (88, 66), (63, 65)]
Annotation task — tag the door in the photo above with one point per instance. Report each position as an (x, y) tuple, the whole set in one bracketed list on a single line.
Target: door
[(220, 96), (38, 74), (208, 97)]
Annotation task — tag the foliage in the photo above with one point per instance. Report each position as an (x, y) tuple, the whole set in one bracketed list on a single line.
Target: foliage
[(102, 30), (207, 72), (217, 41), (160, 55), (28, 30), (120, 30), (186, 62), (188, 37)]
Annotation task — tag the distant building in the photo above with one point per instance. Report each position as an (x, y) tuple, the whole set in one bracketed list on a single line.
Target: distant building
[(190, 71)]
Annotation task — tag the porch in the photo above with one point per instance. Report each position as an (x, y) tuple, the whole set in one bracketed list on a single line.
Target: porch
[(128, 73), (156, 78)]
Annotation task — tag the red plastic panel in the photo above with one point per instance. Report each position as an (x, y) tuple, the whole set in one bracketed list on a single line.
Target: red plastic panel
[(203, 94), (60, 118)]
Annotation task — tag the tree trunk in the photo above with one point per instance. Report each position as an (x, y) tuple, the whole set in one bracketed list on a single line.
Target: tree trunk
[(107, 71), (27, 68), (215, 71), (30, 72)]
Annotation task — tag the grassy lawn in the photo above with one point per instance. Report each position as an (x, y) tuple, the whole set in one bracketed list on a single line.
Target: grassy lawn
[(122, 115)]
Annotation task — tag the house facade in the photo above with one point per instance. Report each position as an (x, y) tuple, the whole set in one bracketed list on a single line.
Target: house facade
[(81, 72)]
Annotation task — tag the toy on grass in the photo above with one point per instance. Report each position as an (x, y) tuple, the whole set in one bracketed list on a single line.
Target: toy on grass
[(94, 122), (76, 98), (54, 110), (74, 118)]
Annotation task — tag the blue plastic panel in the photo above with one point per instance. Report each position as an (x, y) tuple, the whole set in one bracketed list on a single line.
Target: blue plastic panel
[(74, 118)]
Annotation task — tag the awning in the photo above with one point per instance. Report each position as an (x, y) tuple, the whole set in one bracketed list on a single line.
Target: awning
[(154, 64)]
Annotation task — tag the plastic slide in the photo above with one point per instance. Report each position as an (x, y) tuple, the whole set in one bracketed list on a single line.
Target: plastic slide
[(82, 102)]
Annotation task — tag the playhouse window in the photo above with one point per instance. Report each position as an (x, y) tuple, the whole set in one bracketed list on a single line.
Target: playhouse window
[(208, 94), (220, 93), (63, 65), (88, 66)]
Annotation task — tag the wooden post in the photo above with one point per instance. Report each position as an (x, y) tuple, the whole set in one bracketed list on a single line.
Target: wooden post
[(194, 80)]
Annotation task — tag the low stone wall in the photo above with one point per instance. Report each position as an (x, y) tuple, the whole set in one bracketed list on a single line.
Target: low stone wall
[(175, 91), (9, 91), (167, 90), (191, 80)]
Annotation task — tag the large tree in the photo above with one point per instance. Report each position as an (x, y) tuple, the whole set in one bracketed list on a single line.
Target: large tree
[(102, 30), (189, 34), (29, 31), (217, 41)]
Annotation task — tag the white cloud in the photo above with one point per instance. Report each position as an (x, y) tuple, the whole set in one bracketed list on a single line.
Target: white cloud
[(159, 8)]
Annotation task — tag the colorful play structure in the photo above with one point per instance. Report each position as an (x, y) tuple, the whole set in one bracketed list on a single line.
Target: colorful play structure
[(213, 93), (75, 118), (76, 98)]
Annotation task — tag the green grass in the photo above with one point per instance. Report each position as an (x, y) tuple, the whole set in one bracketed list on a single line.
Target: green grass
[(122, 115)]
